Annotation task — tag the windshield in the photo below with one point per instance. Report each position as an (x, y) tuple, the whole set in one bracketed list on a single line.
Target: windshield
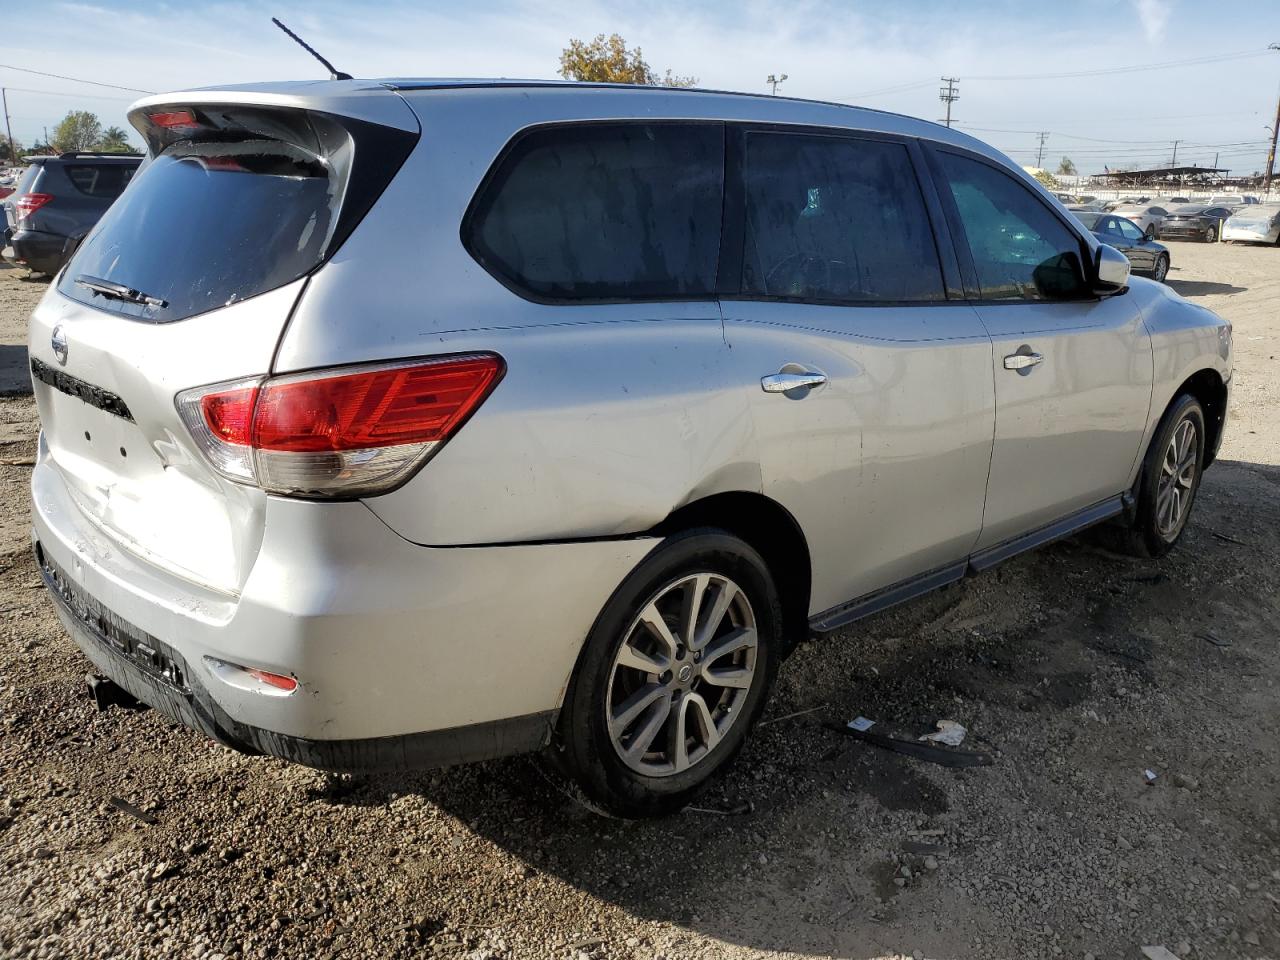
[(1190, 211), (207, 224), (1090, 220)]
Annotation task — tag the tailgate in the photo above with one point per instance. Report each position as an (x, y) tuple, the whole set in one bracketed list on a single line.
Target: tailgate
[(188, 280)]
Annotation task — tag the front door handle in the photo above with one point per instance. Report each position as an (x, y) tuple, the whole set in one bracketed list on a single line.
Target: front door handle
[(785, 382), (1021, 361)]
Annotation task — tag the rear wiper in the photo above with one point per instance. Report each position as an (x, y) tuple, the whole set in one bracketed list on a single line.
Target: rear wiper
[(118, 291)]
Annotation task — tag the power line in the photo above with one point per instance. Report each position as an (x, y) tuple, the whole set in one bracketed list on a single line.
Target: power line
[(58, 76), (1132, 68), (78, 96)]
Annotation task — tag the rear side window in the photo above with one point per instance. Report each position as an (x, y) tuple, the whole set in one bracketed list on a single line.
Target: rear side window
[(835, 219), (1021, 251), (103, 180), (604, 211)]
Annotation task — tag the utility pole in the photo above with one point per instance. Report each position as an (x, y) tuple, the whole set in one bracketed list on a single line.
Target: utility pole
[(1174, 161), (774, 81), (1275, 129), (1042, 136), (4, 103), (949, 95)]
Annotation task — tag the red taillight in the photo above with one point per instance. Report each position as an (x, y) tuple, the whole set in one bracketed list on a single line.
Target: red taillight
[(29, 203), (280, 682), (348, 432), (378, 408), (229, 415), (174, 118)]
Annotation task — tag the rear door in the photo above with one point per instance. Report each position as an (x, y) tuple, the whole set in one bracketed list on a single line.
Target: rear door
[(212, 242), (846, 281), (1072, 372)]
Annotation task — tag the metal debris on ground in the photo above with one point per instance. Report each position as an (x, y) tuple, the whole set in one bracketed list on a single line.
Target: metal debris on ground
[(1214, 639), (944, 756), (1158, 953), (137, 813), (861, 724), (1149, 776), (948, 732)]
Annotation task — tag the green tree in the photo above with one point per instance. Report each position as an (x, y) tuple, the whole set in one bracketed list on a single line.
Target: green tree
[(114, 140), (1066, 167), (79, 130), (1047, 178), (5, 155), (607, 60)]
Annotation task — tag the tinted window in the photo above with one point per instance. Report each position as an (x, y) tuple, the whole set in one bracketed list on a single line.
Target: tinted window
[(1093, 221), (1021, 251), (105, 180), (1128, 230), (835, 219), (208, 224), (607, 211)]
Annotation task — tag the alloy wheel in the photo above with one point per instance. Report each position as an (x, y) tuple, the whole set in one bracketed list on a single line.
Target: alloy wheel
[(682, 674), (1162, 268), (1177, 479)]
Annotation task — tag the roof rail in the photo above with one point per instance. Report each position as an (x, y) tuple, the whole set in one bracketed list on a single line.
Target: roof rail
[(74, 154)]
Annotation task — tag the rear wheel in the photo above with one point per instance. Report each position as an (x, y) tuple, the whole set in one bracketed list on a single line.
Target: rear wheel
[(1170, 480), (1161, 268), (1211, 235), (1151, 231), (674, 674)]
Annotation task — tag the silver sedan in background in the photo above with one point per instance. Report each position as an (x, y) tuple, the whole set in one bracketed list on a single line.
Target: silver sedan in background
[(1255, 223)]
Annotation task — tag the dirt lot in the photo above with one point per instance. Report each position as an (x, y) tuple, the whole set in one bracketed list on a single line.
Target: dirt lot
[(1076, 668)]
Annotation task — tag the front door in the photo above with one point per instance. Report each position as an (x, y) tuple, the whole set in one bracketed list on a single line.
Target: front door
[(1072, 372)]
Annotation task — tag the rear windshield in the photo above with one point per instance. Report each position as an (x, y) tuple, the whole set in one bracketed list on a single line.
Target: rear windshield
[(207, 224), (104, 180)]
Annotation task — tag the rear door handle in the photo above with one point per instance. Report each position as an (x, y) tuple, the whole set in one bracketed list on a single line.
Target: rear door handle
[(1021, 361), (784, 382)]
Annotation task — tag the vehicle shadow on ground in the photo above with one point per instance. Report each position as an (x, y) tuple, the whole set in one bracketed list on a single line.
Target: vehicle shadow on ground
[(1203, 288), (802, 845), (15, 373)]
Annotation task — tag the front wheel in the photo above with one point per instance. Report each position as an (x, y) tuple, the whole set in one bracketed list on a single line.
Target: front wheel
[(1151, 231), (1170, 479), (1161, 270), (674, 674), (1211, 235)]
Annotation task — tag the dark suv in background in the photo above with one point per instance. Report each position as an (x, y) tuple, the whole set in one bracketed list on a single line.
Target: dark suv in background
[(57, 202)]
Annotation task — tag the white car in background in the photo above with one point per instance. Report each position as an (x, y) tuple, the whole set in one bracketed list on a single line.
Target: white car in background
[(1147, 216), (1255, 223)]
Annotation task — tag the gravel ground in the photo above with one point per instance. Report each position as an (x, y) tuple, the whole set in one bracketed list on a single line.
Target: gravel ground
[(1076, 668)]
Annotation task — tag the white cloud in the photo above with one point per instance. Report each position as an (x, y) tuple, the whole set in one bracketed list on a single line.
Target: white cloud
[(1154, 16)]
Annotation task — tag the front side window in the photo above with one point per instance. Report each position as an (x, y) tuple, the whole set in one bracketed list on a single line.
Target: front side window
[(1021, 251), (835, 219), (605, 211)]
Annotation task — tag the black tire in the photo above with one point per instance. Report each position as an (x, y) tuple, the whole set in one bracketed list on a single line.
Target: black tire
[(1160, 273), (1211, 235), (1145, 537), (1151, 231), (584, 748)]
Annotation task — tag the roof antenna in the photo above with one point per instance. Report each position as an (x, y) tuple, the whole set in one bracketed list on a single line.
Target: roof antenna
[(334, 73)]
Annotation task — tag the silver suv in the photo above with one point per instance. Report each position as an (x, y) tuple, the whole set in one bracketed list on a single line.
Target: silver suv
[(396, 424)]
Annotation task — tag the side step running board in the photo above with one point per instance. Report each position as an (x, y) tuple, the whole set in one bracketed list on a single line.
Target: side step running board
[(865, 606)]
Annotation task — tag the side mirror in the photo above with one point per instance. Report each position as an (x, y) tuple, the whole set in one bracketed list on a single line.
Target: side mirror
[(1110, 271)]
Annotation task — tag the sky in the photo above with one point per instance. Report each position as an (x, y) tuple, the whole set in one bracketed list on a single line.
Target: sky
[(1218, 98)]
